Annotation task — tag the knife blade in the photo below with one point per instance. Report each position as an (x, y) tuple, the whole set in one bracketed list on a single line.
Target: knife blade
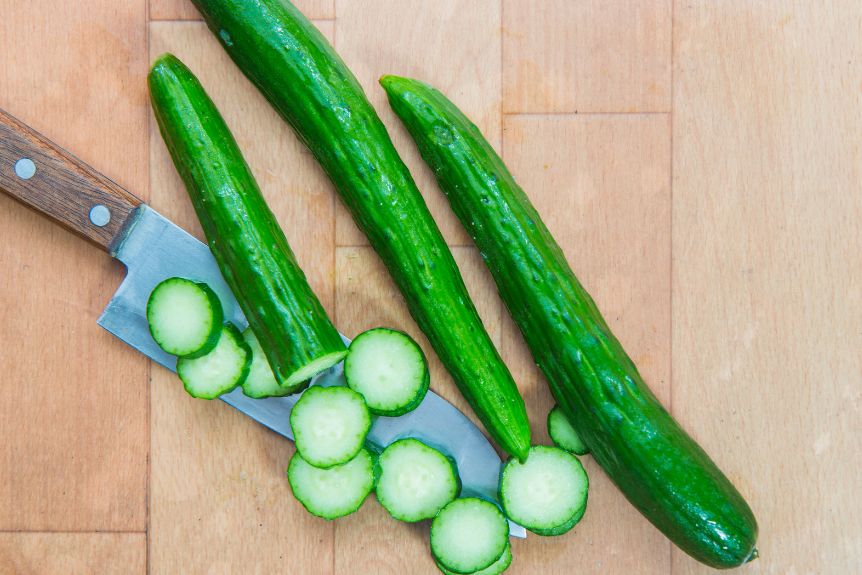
[(52, 181)]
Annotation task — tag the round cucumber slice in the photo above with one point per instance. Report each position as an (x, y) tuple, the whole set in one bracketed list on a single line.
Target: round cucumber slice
[(563, 434), (334, 492), (416, 480), (329, 425), (389, 369), (547, 494), (184, 317), (219, 371), (469, 535), (496, 567)]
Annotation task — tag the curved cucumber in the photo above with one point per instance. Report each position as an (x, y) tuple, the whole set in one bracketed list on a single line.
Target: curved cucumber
[(655, 463), (300, 74), (242, 232)]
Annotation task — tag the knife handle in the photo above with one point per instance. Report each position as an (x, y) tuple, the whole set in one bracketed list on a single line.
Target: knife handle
[(52, 181)]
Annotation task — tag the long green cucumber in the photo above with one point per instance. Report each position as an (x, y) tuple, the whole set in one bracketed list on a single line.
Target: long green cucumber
[(300, 74), (655, 463), (242, 232)]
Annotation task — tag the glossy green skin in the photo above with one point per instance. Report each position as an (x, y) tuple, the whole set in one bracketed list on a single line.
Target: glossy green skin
[(655, 463), (300, 74), (242, 232)]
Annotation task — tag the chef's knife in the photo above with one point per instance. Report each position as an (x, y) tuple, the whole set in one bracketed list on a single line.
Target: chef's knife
[(48, 179)]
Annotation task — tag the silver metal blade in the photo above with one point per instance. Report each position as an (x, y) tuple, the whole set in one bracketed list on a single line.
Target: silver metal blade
[(154, 249)]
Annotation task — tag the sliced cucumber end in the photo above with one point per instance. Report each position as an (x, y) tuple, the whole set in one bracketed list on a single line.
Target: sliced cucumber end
[(296, 379), (334, 492), (563, 434), (329, 425), (389, 369), (548, 493), (416, 480), (469, 535)]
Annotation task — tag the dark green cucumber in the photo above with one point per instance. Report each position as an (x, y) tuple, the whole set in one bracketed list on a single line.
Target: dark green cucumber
[(300, 74), (242, 232), (655, 463)]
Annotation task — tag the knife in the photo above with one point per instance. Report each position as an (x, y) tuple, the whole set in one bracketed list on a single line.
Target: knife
[(50, 180)]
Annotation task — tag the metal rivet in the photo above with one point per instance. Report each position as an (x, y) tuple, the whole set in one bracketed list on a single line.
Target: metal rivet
[(25, 168), (100, 215)]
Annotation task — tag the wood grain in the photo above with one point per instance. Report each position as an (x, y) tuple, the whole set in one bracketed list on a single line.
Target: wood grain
[(758, 321), (459, 43), (220, 502), (185, 10), (73, 553), (371, 541), (587, 56), (602, 186), (73, 400), (767, 286), (60, 187)]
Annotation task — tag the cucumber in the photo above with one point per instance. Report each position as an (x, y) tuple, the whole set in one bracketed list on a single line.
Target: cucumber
[(495, 568), (300, 74), (416, 481), (219, 371), (261, 382), (329, 425), (184, 317), (563, 434), (389, 369), (243, 234), (653, 461), (469, 535), (334, 492), (548, 493)]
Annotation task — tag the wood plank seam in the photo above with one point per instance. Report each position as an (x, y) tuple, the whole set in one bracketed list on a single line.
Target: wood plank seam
[(670, 266), (576, 113)]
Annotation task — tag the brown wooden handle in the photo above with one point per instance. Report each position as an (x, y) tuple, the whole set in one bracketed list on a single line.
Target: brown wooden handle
[(50, 180)]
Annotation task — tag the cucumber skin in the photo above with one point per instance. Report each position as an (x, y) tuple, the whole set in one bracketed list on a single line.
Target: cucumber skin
[(655, 463), (242, 232), (309, 85)]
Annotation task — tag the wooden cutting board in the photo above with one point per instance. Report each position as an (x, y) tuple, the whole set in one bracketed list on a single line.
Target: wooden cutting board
[(698, 161)]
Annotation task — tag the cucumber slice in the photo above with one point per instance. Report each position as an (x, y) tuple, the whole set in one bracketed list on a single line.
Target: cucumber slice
[(261, 381), (469, 535), (389, 369), (329, 425), (184, 317), (547, 494), (416, 480), (219, 371), (496, 567), (563, 434), (334, 492)]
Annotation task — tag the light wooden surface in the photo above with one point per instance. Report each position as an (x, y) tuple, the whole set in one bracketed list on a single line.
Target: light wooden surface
[(699, 162)]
